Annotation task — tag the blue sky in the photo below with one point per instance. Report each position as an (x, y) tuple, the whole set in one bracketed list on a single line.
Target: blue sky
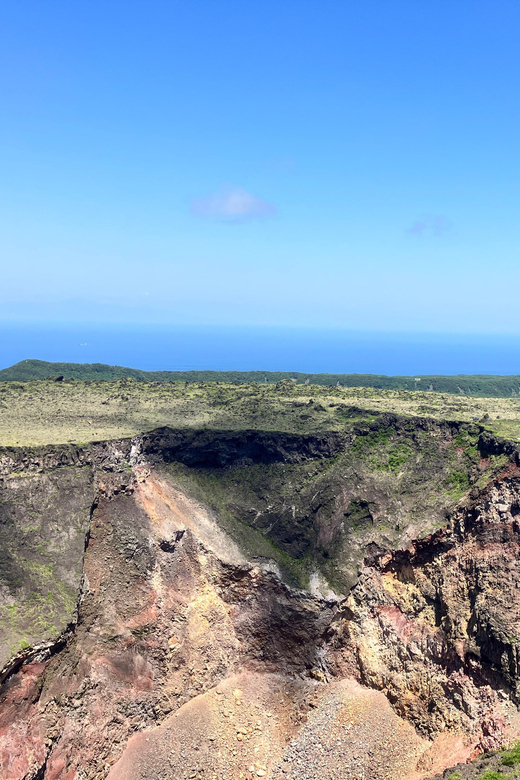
[(344, 164)]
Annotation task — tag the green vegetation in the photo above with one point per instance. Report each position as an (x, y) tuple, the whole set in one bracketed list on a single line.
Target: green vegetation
[(511, 757), (470, 385), (492, 764), (49, 412), (493, 776), (398, 457), (458, 483)]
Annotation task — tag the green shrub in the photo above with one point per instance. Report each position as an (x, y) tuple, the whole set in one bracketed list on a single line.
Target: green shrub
[(458, 481), (398, 457), (512, 756)]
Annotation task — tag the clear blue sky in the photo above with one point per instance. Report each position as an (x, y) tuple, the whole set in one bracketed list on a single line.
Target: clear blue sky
[(345, 163)]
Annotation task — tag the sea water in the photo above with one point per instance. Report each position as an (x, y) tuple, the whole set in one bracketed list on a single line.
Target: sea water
[(168, 347)]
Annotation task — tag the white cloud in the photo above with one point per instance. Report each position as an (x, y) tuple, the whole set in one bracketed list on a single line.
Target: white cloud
[(233, 204), (430, 224)]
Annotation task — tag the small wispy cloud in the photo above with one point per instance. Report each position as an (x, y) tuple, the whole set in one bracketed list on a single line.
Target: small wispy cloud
[(233, 204), (430, 225)]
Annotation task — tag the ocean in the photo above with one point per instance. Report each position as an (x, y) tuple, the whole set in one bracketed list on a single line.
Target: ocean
[(156, 347)]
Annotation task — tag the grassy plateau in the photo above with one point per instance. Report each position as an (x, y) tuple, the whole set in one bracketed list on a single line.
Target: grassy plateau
[(51, 412)]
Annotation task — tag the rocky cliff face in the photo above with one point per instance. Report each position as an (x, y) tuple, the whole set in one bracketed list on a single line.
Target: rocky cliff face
[(436, 626), (189, 637)]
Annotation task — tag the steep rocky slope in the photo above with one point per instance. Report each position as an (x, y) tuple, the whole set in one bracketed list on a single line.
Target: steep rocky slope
[(237, 604), (436, 626)]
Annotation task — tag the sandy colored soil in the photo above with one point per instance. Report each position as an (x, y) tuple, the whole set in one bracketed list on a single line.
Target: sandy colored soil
[(262, 725)]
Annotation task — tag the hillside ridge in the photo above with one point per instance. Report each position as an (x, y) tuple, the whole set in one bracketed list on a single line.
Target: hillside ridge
[(476, 385)]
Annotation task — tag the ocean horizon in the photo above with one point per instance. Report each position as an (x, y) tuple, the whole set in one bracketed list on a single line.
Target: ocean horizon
[(306, 350)]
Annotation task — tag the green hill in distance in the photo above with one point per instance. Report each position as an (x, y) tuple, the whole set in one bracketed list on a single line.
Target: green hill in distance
[(483, 386)]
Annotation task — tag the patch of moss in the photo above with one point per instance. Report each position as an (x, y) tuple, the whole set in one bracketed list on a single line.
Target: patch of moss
[(511, 757), (492, 775), (458, 483), (398, 457)]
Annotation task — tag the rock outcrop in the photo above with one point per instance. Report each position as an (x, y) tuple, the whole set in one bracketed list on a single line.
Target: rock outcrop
[(181, 651), (437, 626)]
